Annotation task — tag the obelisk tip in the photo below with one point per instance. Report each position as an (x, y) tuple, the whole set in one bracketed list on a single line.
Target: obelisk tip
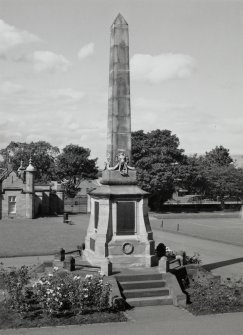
[(119, 20)]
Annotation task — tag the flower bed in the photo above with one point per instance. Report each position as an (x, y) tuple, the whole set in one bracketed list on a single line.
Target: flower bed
[(205, 292), (56, 298), (214, 298), (208, 295)]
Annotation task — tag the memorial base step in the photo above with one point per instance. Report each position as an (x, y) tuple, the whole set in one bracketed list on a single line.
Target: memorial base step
[(144, 289)]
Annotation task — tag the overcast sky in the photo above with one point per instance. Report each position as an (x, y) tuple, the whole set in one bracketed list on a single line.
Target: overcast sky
[(186, 61)]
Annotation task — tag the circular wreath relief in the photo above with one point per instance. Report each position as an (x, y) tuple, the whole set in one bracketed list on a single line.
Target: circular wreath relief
[(127, 248)]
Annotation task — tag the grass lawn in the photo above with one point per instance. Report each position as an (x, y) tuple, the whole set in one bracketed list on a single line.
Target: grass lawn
[(223, 229), (41, 236)]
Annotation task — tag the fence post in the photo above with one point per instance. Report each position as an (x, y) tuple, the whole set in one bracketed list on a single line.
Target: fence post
[(65, 217)]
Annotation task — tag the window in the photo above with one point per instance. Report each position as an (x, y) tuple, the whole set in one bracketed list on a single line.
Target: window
[(12, 204)]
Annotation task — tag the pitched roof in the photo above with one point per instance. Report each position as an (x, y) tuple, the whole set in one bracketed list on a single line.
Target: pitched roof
[(4, 173)]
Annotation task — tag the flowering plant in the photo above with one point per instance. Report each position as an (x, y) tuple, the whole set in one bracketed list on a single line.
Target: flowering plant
[(63, 292), (195, 259)]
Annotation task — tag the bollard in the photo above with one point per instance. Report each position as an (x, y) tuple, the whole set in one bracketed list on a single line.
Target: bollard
[(62, 254), (65, 217), (72, 264), (106, 267), (162, 224), (163, 265), (178, 227), (69, 263)]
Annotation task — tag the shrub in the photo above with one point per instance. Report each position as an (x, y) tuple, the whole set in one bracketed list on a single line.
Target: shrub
[(14, 283), (195, 259), (161, 250)]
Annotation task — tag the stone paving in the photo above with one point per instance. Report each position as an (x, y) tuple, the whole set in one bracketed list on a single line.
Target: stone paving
[(159, 320)]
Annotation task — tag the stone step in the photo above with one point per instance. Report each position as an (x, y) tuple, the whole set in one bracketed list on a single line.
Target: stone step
[(150, 301), (143, 284), (150, 292), (138, 277)]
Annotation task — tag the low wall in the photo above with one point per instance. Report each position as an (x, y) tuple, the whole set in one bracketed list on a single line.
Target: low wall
[(197, 207)]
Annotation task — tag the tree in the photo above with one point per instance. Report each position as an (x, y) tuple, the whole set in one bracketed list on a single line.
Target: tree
[(162, 167), (219, 156), (213, 175), (224, 181), (155, 156), (42, 153), (73, 165), (191, 175)]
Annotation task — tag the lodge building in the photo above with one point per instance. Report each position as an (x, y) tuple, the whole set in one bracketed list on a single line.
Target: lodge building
[(22, 198)]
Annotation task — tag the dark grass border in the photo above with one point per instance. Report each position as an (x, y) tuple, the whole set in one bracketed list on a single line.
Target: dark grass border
[(10, 319)]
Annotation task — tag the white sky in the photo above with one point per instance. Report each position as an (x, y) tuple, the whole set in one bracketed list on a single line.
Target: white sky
[(186, 70)]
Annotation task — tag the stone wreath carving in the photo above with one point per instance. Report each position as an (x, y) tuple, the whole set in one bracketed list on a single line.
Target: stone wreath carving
[(122, 164), (127, 248)]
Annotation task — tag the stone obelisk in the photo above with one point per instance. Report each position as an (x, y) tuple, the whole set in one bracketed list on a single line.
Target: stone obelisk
[(119, 230), (119, 111)]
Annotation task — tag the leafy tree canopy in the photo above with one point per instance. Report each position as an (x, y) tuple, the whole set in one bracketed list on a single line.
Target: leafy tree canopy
[(162, 168), (191, 175), (219, 156), (42, 153), (223, 182), (212, 175), (223, 178), (155, 156), (73, 165)]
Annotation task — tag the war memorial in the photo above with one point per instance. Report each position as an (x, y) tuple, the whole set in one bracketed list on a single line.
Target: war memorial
[(119, 237), (119, 231)]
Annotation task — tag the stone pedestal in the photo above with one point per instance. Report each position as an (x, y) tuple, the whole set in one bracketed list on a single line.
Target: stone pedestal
[(119, 228)]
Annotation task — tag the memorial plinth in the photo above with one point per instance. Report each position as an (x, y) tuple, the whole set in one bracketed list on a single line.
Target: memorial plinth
[(119, 231)]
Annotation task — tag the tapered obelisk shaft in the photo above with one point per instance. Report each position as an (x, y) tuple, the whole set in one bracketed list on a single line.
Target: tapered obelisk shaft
[(119, 113)]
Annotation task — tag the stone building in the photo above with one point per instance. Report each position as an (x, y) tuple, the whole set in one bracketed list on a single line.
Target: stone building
[(22, 198), (81, 203)]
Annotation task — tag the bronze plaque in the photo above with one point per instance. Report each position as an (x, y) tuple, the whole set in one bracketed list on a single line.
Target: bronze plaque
[(125, 218)]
